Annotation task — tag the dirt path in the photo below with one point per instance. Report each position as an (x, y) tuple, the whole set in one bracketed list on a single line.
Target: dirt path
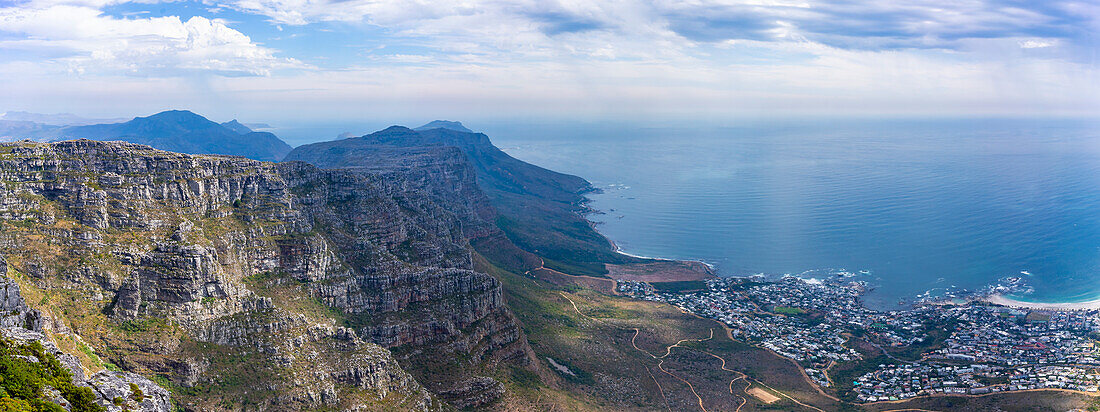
[(635, 345), (668, 351), (605, 285), (789, 397), (660, 365), (809, 381), (659, 388), (744, 400), (740, 375), (661, 360)]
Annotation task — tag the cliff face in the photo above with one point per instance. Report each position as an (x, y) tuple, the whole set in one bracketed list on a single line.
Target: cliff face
[(114, 391), (251, 283), (538, 208)]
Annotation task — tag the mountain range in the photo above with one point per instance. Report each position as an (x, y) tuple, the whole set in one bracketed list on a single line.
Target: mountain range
[(58, 119), (407, 269), (174, 130), (540, 210)]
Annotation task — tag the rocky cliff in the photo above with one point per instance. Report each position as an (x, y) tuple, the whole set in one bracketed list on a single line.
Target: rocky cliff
[(21, 331), (538, 209), (241, 283)]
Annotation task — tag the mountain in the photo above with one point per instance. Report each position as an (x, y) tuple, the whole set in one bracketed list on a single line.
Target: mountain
[(444, 124), (236, 126), (11, 130), (140, 279), (540, 210), (184, 132), (17, 125), (60, 119), (278, 286)]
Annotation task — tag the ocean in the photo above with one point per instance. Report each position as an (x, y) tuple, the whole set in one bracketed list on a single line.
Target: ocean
[(915, 208)]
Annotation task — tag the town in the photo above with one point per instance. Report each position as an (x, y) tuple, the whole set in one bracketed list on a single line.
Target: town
[(965, 347)]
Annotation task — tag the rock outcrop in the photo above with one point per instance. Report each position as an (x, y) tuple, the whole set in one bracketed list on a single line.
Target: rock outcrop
[(539, 209), (114, 391), (277, 285)]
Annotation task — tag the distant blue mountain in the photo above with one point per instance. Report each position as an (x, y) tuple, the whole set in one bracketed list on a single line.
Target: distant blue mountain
[(444, 124), (236, 126), (59, 119), (185, 132)]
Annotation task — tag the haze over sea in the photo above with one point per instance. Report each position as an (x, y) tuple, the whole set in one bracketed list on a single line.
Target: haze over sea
[(920, 205)]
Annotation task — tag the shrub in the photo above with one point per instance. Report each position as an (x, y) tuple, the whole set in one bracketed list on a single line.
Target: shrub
[(135, 393)]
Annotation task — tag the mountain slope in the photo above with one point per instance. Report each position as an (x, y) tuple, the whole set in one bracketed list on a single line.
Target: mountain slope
[(184, 132), (444, 124), (539, 209), (236, 126), (11, 130), (280, 286)]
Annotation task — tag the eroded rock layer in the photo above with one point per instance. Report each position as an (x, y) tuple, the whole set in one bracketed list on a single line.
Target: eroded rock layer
[(250, 283)]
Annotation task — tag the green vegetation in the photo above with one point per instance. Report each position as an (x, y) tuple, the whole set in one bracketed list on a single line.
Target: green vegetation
[(679, 286), (27, 370), (1038, 317), (135, 393), (142, 325), (568, 248), (936, 334), (598, 346), (787, 310)]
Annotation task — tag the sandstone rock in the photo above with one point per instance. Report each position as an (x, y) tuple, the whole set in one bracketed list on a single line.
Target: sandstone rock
[(193, 241), (14, 312), (474, 392), (134, 391), (107, 385)]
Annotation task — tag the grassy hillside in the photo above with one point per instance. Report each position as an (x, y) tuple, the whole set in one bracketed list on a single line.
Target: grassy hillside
[(614, 353)]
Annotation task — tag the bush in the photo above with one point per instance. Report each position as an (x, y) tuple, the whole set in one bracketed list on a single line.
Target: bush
[(136, 393), (23, 381)]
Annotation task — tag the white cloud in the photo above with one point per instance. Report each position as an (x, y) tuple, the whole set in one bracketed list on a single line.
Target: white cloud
[(617, 57), (81, 39), (1035, 44)]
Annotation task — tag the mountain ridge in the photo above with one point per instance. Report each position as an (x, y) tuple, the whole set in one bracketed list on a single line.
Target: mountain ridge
[(540, 210), (444, 124), (236, 126), (333, 285), (173, 130), (185, 132)]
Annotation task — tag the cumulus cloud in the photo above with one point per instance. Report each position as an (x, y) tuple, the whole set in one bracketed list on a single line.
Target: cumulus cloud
[(573, 56), (82, 39)]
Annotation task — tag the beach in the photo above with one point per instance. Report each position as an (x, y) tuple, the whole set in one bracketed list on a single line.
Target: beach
[(1000, 299)]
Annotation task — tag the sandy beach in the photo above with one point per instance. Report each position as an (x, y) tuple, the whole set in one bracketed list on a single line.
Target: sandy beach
[(999, 299)]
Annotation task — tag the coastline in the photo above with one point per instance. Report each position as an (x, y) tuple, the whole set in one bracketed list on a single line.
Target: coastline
[(707, 270), (1003, 300), (661, 269)]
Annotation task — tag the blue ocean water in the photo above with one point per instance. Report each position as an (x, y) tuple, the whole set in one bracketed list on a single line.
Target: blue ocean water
[(917, 205)]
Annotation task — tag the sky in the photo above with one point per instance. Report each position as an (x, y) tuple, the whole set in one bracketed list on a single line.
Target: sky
[(342, 60)]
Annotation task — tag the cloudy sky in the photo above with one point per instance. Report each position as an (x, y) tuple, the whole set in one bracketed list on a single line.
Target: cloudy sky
[(355, 59)]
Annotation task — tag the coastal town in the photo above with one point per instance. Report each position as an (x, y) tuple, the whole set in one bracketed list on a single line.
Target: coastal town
[(966, 347)]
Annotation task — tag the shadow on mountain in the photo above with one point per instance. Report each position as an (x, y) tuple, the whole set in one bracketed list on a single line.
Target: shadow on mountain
[(540, 210)]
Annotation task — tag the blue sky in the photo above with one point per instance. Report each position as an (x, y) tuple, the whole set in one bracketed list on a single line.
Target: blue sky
[(322, 60)]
